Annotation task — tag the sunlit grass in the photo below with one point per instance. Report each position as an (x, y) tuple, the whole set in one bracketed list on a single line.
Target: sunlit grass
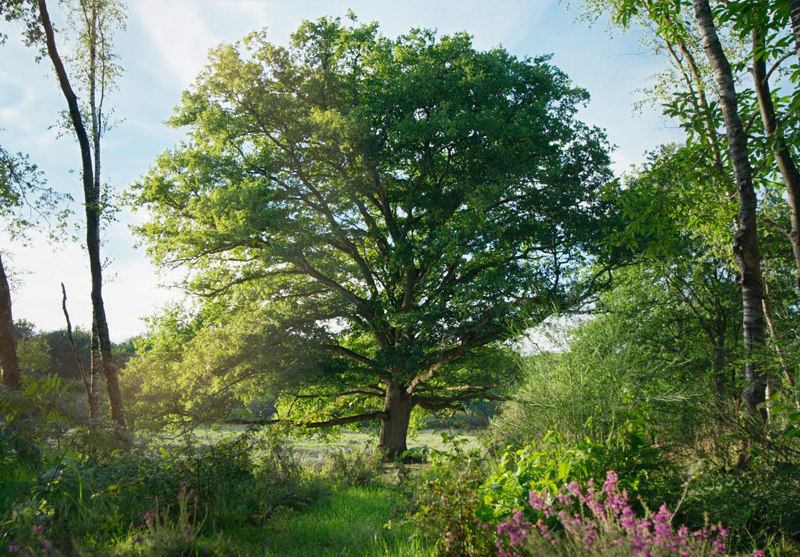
[(344, 523), (313, 449)]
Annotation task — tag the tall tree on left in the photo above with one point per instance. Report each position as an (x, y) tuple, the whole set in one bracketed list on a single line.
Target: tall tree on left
[(94, 21), (23, 199), (9, 362)]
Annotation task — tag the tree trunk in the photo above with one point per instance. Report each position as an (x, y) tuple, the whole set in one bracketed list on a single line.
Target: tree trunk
[(93, 210), (745, 244), (9, 360), (794, 12), (786, 163), (777, 342), (95, 368), (720, 357), (89, 383), (394, 428)]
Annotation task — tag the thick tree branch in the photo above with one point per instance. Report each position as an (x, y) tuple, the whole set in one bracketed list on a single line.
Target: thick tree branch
[(326, 423), (347, 353)]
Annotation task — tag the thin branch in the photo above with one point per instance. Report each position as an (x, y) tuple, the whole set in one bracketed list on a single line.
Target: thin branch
[(72, 342)]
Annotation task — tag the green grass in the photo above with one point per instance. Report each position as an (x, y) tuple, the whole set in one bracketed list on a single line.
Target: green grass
[(343, 523), (313, 449)]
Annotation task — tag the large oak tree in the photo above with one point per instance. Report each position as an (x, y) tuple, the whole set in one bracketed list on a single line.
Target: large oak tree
[(397, 207)]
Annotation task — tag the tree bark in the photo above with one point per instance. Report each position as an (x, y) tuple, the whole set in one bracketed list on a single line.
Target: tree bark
[(93, 210), (745, 244), (95, 368), (9, 360), (794, 13), (720, 357), (394, 426), (783, 157)]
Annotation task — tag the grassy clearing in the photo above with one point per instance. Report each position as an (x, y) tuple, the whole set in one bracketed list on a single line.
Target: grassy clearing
[(312, 450), (345, 523)]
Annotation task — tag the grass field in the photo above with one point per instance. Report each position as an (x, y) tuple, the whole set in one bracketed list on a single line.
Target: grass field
[(313, 449)]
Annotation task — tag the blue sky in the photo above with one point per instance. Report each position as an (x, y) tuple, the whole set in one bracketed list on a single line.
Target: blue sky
[(163, 48)]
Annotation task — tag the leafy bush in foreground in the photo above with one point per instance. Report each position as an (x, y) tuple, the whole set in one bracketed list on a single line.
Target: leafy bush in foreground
[(552, 463), (83, 501), (352, 468), (446, 505)]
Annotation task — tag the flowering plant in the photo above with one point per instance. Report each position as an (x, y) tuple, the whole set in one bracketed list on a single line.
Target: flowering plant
[(591, 521)]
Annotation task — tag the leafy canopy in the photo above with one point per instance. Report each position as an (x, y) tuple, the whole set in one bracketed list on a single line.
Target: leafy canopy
[(400, 204)]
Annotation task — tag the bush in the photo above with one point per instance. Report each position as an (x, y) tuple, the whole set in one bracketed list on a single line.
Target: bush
[(446, 504), (759, 504), (592, 522), (602, 382), (352, 468), (160, 536), (552, 464), (102, 500)]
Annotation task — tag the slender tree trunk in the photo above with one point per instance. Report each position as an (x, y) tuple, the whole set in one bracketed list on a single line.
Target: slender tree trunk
[(93, 209), (96, 365), (745, 244), (9, 360), (720, 356), (394, 428), (794, 12), (89, 383), (786, 163), (777, 344)]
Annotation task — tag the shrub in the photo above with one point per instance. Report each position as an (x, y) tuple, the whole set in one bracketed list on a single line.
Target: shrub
[(552, 464), (603, 381), (592, 522), (352, 468), (447, 505), (158, 535), (97, 500), (759, 504)]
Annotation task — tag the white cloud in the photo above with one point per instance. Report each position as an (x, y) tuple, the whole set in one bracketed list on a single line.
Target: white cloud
[(132, 288), (180, 33)]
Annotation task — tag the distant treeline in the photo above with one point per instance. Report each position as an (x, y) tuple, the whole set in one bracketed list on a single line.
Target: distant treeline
[(50, 352)]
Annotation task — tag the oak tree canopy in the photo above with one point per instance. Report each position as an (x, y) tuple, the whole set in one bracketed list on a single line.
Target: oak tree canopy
[(397, 207)]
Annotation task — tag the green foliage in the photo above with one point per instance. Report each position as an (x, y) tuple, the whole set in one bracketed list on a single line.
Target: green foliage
[(25, 201), (93, 501), (158, 535), (50, 352), (551, 464), (601, 384), (352, 468), (388, 210), (758, 504), (445, 504)]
